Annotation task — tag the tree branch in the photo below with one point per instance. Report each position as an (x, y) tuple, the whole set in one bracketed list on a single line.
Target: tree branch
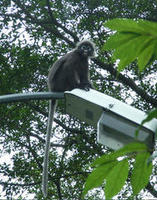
[(43, 141), (127, 81), (51, 29), (54, 21), (151, 190), (58, 185), (35, 156), (36, 108), (20, 184)]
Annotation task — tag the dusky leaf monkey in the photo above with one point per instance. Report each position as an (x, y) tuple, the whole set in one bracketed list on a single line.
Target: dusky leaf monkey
[(69, 72)]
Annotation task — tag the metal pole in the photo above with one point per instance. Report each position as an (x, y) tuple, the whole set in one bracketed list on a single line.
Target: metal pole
[(30, 96)]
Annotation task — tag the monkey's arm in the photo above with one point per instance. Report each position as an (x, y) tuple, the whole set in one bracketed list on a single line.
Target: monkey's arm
[(86, 86), (85, 82)]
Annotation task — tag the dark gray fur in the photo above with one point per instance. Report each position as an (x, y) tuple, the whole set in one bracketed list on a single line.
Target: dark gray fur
[(69, 72)]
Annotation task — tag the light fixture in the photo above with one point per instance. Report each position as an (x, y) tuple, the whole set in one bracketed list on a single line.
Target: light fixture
[(116, 122)]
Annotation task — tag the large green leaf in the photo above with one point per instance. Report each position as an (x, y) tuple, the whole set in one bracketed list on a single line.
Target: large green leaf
[(96, 178), (118, 39), (127, 149), (133, 39), (145, 56), (152, 114), (141, 172), (148, 26), (124, 25), (116, 178), (130, 50)]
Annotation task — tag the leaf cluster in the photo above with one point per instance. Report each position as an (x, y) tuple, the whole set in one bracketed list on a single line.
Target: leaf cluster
[(133, 39), (113, 168)]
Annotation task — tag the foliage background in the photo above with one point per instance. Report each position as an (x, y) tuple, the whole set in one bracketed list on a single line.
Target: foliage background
[(33, 34)]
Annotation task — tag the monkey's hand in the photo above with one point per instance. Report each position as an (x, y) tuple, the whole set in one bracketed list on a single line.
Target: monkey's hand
[(86, 89), (85, 86)]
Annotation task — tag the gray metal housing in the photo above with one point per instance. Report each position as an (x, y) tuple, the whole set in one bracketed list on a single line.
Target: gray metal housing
[(116, 122)]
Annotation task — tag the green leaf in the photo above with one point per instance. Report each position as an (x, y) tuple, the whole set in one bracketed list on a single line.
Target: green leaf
[(141, 172), (130, 50), (149, 26), (124, 25), (116, 179), (152, 114), (145, 56), (127, 149), (128, 25), (134, 39), (118, 39), (96, 178)]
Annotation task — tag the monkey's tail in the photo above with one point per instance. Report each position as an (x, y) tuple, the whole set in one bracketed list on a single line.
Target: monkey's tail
[(52, 107)]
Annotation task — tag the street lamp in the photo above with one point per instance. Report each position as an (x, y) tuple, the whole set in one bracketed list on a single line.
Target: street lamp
[(116, 122)]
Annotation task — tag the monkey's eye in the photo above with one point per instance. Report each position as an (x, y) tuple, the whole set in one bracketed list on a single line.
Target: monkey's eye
[(83, 47), (89, 48)]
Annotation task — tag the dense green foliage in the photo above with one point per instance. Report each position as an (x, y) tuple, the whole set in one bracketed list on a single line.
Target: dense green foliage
[(116, 172), (133, 40), (33, 34)]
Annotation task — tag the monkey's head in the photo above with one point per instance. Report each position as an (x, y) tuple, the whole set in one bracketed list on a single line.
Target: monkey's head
[(86, 48)]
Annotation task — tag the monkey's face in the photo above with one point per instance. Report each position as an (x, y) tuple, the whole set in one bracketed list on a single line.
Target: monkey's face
[(86, 50)]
